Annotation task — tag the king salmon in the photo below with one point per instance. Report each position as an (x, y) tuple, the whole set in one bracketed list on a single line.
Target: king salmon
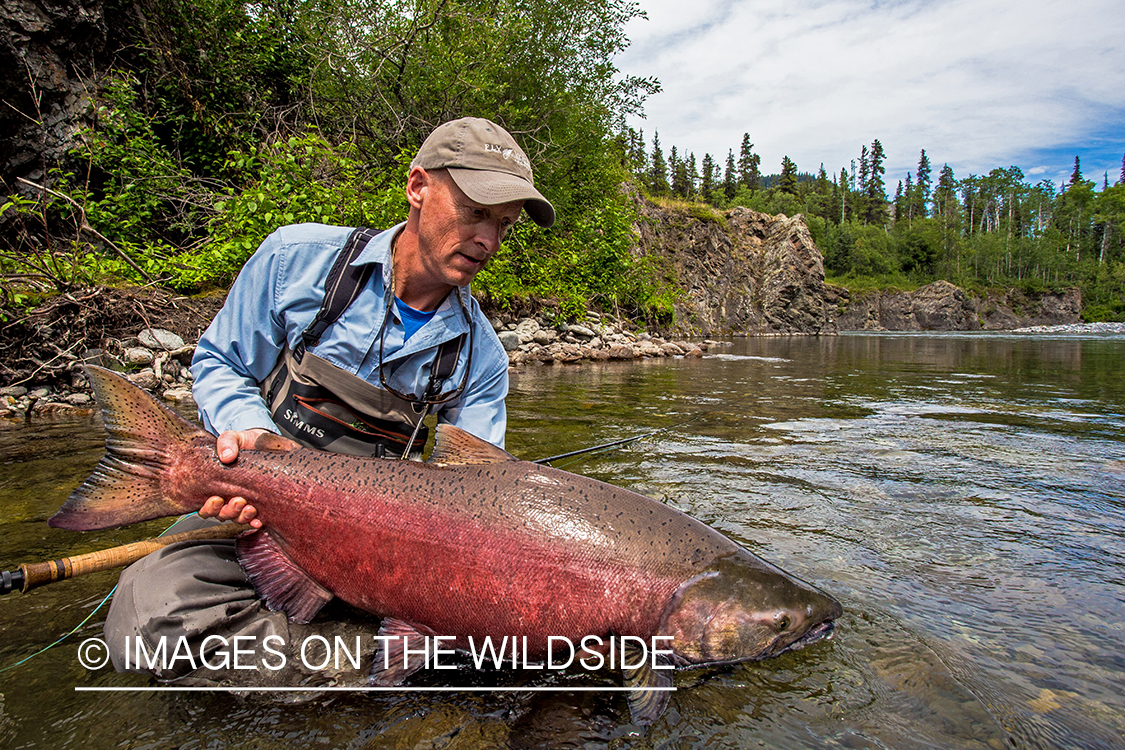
[(474, 543)]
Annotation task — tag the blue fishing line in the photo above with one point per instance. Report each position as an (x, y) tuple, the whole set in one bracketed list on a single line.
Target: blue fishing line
[(92, 613)]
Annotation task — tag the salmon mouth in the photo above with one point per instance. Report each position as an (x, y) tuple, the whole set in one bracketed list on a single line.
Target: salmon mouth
[(820, 632)]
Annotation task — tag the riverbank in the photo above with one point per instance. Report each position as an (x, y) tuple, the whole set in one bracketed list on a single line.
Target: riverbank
[(151, 336)]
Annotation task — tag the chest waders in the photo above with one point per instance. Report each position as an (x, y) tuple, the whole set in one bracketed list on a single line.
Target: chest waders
[(323, 406)]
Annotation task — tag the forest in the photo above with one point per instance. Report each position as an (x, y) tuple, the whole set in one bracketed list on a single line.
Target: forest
[(979, 231), (212, 122), (208, 123)]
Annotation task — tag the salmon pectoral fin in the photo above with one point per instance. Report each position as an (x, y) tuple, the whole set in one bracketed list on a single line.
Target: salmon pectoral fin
[(651, 686), (283, 585), (393, 664)]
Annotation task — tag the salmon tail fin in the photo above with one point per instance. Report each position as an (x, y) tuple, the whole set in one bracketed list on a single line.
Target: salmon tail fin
[(126, 484)]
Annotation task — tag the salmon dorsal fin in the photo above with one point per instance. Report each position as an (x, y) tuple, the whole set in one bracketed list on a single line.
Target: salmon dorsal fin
[(455, 447)]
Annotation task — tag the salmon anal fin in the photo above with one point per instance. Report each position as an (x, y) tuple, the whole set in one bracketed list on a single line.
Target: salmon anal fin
[(455, 447), (392, 666), (646, 704), (283, 585)]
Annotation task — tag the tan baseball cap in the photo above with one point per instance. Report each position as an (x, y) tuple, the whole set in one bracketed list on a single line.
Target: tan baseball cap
[(486, 163)]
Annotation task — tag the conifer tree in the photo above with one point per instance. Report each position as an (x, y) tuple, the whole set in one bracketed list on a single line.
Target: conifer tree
[(864, 170), (730, 178), (843, 194), (787, 182), (1076, 175), (901, 212), (707, 179), (876, 194), (1121, 180), (910, 200), (640, 158), (658, 175), (749, 162), (673, 164), (923, 186), (692, 175)]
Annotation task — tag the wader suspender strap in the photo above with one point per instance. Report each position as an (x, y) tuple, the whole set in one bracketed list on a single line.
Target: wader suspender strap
[(340, 289), (342, 286)]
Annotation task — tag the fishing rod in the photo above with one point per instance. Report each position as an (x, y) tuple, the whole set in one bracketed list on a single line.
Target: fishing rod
[(32, 575), (625, 441), (603, 446)]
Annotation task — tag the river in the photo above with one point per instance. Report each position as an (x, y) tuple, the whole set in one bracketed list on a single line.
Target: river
[(963, 495)]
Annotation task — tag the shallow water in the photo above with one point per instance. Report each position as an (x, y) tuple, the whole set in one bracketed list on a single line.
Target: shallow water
[(962, 495)]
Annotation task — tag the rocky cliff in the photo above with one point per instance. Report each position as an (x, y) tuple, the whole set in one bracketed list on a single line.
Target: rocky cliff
[(741, 272), (48, 50), (941, 306), (746, 273)]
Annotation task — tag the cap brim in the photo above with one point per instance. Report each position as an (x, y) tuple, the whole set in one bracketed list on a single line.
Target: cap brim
[(491, 188)]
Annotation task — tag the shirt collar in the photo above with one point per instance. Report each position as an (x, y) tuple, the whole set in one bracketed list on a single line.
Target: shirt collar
[(378, 250)]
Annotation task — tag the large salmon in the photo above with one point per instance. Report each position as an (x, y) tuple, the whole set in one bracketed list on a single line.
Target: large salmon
[(473, 543)]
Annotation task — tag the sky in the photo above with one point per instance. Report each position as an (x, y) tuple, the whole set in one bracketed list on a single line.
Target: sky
[(978, 84)]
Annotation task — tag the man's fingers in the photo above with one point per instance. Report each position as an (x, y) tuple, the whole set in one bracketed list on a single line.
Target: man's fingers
[(211, 507), (236, 509)]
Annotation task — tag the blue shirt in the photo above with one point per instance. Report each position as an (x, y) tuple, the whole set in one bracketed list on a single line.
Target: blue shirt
[(412, 320), (276, 296)]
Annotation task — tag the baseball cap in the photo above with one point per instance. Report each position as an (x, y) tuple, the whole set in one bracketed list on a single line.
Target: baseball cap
[(486, 163)]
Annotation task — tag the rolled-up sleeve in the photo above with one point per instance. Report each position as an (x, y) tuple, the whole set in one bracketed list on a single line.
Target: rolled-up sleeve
[(241, 346), (481, 411)]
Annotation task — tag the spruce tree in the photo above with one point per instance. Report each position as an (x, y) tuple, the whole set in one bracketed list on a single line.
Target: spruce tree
[(730, 178), (1076, 175), (673, 164), (923, 185), (748, 163), (658, 175), (707, 179), (692, 174), (876, 193), (787, 182), (1121, 181)]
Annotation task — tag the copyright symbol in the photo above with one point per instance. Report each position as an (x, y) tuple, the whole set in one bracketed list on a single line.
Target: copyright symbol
[(93, 654)]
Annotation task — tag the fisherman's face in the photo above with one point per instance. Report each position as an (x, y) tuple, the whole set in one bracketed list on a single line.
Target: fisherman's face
[(457, 235)]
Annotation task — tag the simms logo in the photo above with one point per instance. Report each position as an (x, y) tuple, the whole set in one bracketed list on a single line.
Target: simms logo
[(292, 418), (508, 153)]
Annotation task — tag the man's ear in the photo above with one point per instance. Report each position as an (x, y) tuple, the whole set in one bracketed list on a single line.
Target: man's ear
[(417, 183)]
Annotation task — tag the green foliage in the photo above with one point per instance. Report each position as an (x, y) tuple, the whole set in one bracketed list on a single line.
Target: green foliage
[(587, 264), (291, 181), (199, 146)]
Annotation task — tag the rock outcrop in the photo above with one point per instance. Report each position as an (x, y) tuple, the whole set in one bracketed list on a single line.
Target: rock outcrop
[(941, 306), (741, 272), (46, 47)]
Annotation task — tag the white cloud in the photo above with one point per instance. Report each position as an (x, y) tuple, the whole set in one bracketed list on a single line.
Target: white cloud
[(977, 83)]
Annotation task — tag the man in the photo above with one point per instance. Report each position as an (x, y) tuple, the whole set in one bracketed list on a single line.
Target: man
[(354, 371)]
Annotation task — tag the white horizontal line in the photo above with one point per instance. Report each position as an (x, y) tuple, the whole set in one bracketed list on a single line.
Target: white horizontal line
[(337, 689)]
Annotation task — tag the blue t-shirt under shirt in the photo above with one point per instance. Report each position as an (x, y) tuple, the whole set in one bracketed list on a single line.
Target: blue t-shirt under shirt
[(412, 319)]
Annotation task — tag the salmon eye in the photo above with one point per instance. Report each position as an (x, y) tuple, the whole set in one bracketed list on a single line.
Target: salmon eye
[(781, 621)]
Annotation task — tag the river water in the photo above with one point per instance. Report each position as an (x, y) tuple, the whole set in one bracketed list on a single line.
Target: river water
[(963, 495)]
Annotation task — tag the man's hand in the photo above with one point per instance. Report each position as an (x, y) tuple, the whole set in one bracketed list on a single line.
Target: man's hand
[(236, 509)]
